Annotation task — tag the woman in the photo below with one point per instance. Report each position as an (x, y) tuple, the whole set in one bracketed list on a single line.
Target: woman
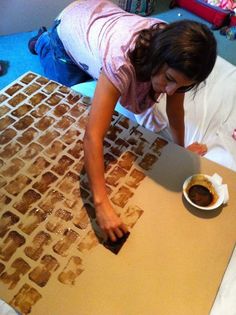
[(135, 60)]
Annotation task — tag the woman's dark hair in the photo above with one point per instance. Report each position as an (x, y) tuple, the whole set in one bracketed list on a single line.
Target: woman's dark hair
[(186, 46)]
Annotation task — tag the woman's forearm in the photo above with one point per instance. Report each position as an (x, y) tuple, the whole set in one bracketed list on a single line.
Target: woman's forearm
[(94, 164), (175, 113)]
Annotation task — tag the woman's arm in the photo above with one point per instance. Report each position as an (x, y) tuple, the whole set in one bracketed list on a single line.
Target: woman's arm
[(175, 113), (104, 101)]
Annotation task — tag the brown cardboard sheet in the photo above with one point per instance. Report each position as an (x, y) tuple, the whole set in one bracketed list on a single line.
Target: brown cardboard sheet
[(51, 260)]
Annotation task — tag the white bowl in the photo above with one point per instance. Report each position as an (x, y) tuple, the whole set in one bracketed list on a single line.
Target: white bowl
[(218, 190)]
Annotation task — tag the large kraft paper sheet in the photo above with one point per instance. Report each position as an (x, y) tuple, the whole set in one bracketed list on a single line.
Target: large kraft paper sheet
[(52, 260)]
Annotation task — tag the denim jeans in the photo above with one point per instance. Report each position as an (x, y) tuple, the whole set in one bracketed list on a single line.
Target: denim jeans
[(56, 63)]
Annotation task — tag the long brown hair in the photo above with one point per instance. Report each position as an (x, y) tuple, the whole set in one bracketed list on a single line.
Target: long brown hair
[(186, 46)]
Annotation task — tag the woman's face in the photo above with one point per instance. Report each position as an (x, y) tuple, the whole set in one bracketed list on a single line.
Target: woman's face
[(169, 80)]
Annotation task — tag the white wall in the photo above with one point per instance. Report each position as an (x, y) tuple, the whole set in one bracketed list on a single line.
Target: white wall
[(28, 15)]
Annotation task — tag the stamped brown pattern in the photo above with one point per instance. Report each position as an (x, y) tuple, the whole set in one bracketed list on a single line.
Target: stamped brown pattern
[(47, 219)]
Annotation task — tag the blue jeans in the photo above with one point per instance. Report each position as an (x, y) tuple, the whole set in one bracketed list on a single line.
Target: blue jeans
[(56, 63)]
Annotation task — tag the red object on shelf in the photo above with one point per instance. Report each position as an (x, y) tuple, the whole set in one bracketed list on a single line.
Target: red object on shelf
[(213, 14)]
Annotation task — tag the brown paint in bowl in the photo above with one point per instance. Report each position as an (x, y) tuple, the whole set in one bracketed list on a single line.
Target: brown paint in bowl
[(200, 195), (200, 191)]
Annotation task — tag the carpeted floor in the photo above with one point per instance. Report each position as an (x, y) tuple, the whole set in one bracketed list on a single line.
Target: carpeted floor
[(13, 49), (18, 60)]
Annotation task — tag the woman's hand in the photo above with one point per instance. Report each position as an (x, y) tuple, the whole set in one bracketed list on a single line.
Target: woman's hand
[(198, 148), (109, 221)]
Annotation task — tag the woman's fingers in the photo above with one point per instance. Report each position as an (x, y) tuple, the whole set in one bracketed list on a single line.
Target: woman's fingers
[(112, 235), (198, 148), (117, 233), (124, 228)]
